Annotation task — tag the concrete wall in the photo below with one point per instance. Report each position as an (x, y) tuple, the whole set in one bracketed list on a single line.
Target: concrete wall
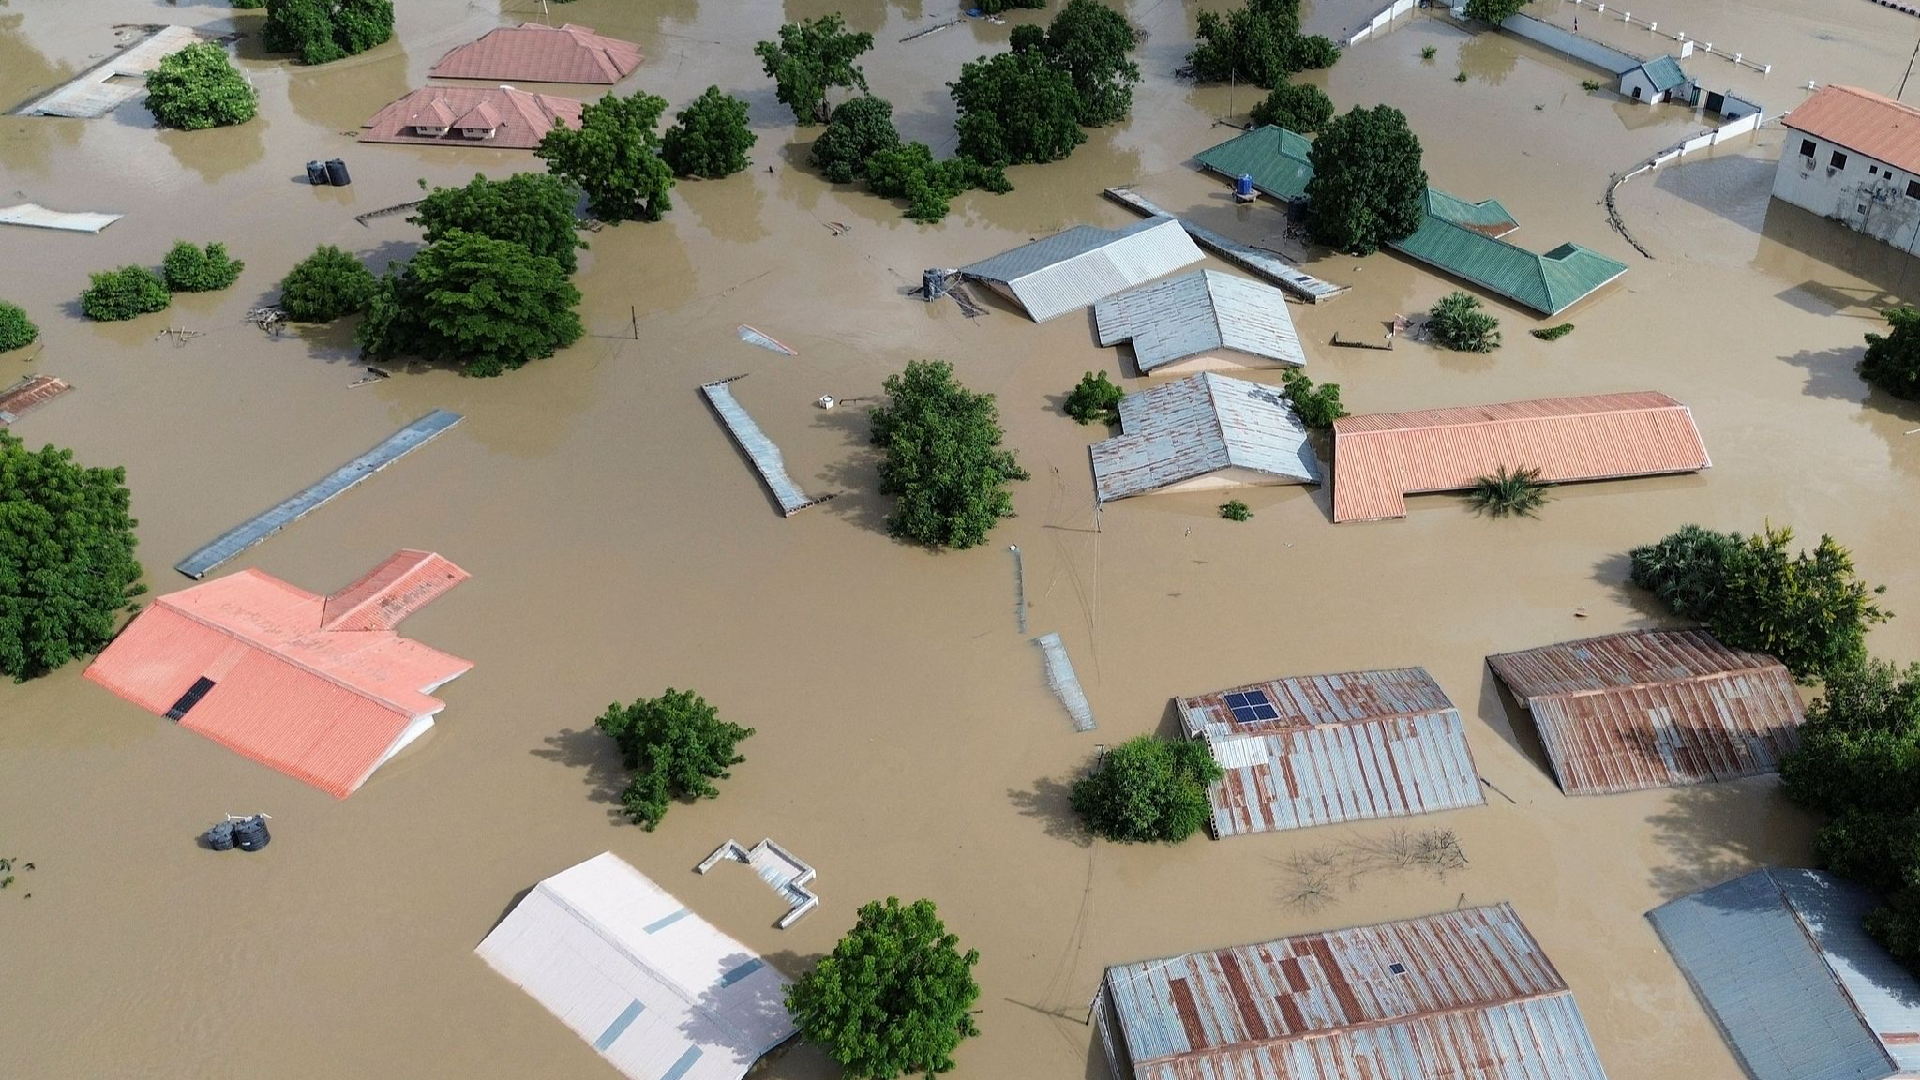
[(1583, 49), (1869, 196), (1379, 22)]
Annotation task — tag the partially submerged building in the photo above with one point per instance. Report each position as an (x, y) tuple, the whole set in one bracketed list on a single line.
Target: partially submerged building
[(1797, 988), (1658, 80), (1466, 993), (1204, 432), (321, 688), (1084, 264), (535, 53), (1654, 708), (1854, 156), (496, 116), (1320, 749), (655, 989), (1203, 321), (1381, 458)]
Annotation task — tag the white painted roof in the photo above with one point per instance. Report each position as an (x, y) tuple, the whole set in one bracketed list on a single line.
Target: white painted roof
[(1075, 268)]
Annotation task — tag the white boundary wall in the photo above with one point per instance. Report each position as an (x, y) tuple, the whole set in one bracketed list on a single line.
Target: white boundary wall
[(1379, 22)]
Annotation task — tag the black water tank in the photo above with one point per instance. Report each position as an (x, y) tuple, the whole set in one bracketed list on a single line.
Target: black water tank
[(220, 837), (337, 172), (251, 834), (316, 174)]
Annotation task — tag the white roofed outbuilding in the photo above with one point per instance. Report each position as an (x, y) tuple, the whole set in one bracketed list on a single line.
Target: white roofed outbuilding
[(1085, 264)]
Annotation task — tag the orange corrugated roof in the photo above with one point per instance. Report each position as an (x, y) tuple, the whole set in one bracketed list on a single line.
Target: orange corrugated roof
[(535, 53), (1382, 457), (525, 118), (1863, 121), (321, 698)]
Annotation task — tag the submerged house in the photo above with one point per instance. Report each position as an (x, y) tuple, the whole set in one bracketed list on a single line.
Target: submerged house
[(1654, 708), (536, 53), (1320, 749), (1202, 321), (1854, 156), (1658, 80), (321, 688), (1466, 993), (655, 989), (1381, 458), (1084, 264), (497, 116), (1204, 432), (1797, 988)]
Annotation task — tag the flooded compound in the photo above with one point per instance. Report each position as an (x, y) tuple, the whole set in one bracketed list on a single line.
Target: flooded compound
[(909, 743)]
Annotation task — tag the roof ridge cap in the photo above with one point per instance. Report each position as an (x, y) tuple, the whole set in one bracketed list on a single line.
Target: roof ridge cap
[(282, 655)]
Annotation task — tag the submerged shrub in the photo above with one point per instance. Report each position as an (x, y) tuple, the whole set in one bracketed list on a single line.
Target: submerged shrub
[(1235, 510), (1458, 323), (192, 269), (326, 285), (118, 295), (16, 330), (1095, 398)]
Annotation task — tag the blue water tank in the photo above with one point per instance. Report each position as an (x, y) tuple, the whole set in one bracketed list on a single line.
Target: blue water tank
[(337, 173), (317, 174), (1243, 187)]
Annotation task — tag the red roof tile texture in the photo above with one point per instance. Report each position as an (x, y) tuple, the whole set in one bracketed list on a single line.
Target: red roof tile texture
[(1380, 458), (28, 394), (1863, 121), (534, 53), (319, 688), (524, 119)]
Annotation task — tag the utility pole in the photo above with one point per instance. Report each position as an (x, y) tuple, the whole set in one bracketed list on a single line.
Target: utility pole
[(1903, 79)]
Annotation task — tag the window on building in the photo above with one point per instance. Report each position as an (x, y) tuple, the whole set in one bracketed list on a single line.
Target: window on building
[(1873, 170), (1837, 161), (1806, 147), (1913, 189)]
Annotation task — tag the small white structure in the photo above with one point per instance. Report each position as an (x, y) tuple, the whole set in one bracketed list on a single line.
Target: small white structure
[(1854, 156), (779, 868), (1657, 80), (1203, 432), (659, 992), (1203, 321), (1075, 268)]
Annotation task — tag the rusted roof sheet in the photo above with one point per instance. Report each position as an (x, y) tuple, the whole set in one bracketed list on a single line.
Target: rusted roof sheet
[(1074, 268), (1654, 708), (1319, 749), (1461, 994), (1381, 457), (1862, 121), (1200, 313), (525, 118), (27, 395), (1200, 425), (535, 53)]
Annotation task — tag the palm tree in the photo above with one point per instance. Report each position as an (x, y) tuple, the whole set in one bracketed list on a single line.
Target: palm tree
[(1518, 493)]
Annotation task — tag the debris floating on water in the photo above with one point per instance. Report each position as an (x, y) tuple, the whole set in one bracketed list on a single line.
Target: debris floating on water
[(1019, 586), (759, 449), (28, 394), (1066, 685), (825, 401), (245, 833), (752, 336), (33, 215)]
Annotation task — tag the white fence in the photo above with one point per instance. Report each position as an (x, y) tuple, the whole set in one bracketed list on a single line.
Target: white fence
[(1700, 142), (1379, 22), (1739, 59)]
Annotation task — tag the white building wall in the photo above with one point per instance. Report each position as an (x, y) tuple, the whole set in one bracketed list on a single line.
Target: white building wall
[(1867, 194)]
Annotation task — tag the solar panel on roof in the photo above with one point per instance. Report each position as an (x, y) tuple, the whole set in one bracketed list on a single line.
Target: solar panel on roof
[(191, 698), (1251, 706)]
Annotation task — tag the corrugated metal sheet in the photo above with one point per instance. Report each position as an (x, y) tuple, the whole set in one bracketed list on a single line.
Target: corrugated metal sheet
[(535, 53), (1254, 260), (1664, 73), (1199, 313), (95, 91), (1196, 426), (1799, 991), (1462, 239), (766, 457), (1460, 994), (1275, 157), (1863, 121), (1065, 684), (36, 216), (656, 990), (1072, 269), (1381, 457), (27, 395), (1347, 747), (525, 118), (1654, 708)]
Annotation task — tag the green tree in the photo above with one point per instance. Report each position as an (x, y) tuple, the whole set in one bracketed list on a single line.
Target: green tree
[(1494, 11), (1300, 107), (895, 996), (1147, 789), (710, 139), (198, 87), (490, 305), (1096, 397), (861, 127), (910, 172), (195, 269), (1508, 493), (1015, 109), (326, 285), (1260, 43), (677, 746), (812, 57), (16, 330), (943, 458), (1457, 323), (614, 156), (1686, 569), (1892, 362), (1368, 188), (1090, 42), (995, 7), (534, 210), (66, 557), (319, 31), (118, 295), (1316, 406)]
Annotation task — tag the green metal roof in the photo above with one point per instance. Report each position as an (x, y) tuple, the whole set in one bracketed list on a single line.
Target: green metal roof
[(1488, 217), (1275, 157), (1664, 73)]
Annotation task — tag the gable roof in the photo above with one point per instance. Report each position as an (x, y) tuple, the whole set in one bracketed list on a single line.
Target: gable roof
[(524, 119), (1465, 993), (1275, 157), (1195, 313), (1381, 457), (320, 688), (1664, 73), (1654, 708), (1074, 268), (535, 53), (658, 991), (1862, 121), (1349, 747), (1198, 425), (1797, 988)]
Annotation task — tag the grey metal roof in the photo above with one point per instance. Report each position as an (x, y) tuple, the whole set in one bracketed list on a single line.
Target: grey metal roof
[(1075, 268), (1779, 959), (1196, 426), (1664, 73), (1195, 313)]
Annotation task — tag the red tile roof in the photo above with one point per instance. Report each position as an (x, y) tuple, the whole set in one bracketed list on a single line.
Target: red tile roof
[(524, 118), (319, 687), (1862, 121), (534, 53), (1382, 457)]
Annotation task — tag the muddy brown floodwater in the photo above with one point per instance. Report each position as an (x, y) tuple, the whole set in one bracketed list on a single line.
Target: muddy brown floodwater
[(907, 744)]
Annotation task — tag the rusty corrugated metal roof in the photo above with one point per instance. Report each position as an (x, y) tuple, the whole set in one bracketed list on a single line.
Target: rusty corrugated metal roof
[(525, 118), (1654, 708), (1199, 425), (1382, 457), (1319, 749), (1862, 121), (535, 53), (1461, 994), (27, 395)]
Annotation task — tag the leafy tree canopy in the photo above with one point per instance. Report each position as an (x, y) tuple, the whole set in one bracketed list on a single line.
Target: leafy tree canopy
[(910, 172), (1300, 107), (1260, 43), (1147, 789), (614, 156), (1090, 42), (319, 31), (118, 295), (995, 7), (943, 458), (1494, 11), (895, 996), (1367, 187), (16, 330), (490, 305), (1016, 108), (710, 138), (1316, 406), (534, 210), (195, 269), (1096, 397), (1893, 360), (198, 87), (677, 746), (812, 57), (326, 285), (66, 557), (1457, 323), (860, 128)]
